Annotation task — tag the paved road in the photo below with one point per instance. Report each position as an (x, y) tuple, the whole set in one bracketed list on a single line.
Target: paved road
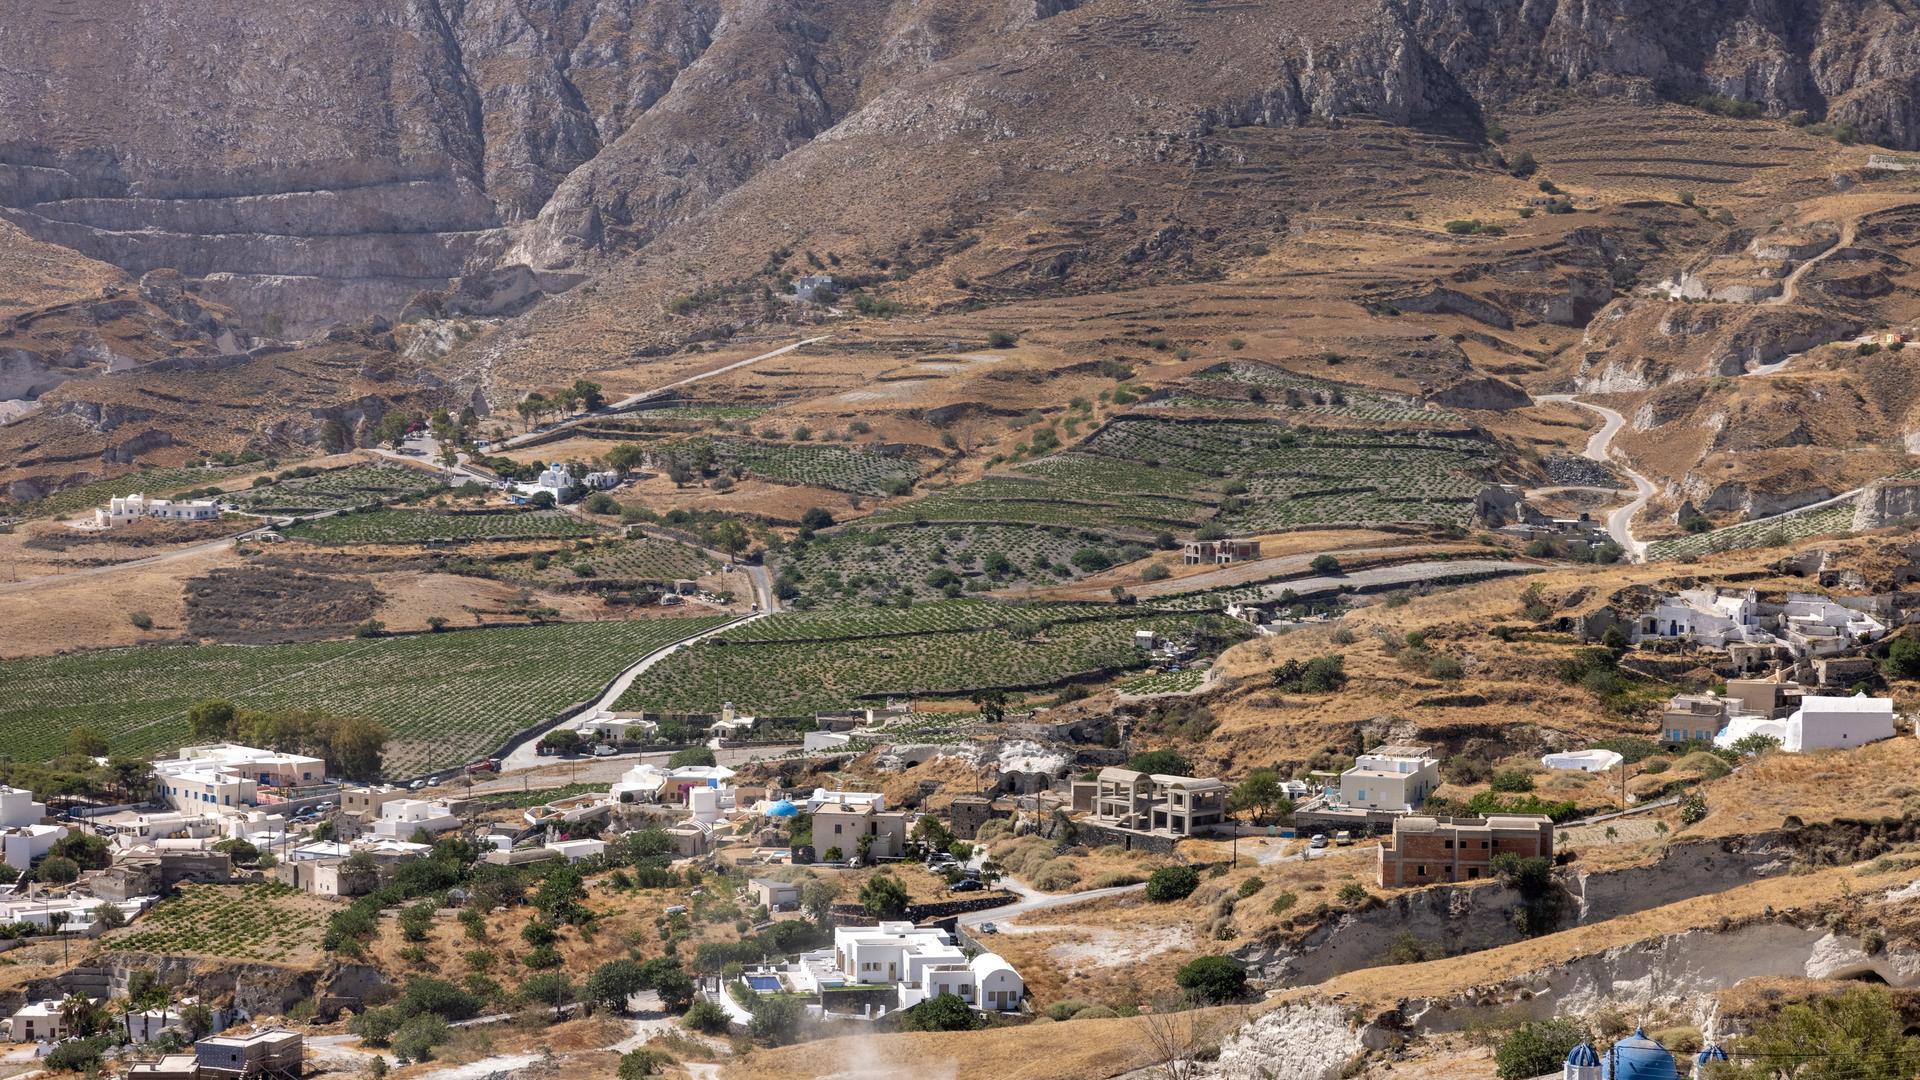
[(1404, 574), (632, 400), (1600, 448), (526, 755), (1032, 899)]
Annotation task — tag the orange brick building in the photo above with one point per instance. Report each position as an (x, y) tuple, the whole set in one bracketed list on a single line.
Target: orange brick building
[(1423, 850)]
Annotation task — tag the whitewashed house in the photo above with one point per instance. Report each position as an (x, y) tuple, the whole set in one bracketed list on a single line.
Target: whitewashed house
[(1820, 723), (127, 509), (400, 819), (226, 777), (25, 835)]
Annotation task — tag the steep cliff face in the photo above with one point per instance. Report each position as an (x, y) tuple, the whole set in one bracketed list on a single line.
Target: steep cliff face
[(317, 159)]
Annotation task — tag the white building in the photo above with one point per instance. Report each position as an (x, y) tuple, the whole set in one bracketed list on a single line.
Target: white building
[(814, 741), (24, 834), (220, 777), (1820, 723), (616, 727), (575, 850), (1705, 617), (732, 724), (924, 962), (822, 797), (1390, 778), (125, 510), (401, 818)]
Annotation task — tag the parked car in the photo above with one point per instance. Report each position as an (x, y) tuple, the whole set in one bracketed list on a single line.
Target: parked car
[(416, 785), (1343, 838), (989, 928), (605, 750), (965, 885), (1319, 840)]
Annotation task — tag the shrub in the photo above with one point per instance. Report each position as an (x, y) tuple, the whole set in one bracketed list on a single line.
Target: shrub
[(1000, 339), (1325, 564), (1250, 886), (1056, 875), (1694, 809), (1353, 893), (1171, 883), (141, 619), (1282, 903), (1212, 980), (1066, 1009), (1511, 780), (1537, 1047), (706, 1017), (635, 1064), (945, 1012)]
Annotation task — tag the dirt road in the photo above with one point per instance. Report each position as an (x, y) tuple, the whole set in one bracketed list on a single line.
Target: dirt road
[(1600, 448)]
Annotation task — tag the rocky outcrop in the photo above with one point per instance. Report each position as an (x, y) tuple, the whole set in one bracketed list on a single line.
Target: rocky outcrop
[(1482, 393), (1886, 502)]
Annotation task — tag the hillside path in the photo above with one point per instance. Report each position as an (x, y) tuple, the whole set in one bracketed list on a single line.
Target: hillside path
[(631, 400), (1600, 448)]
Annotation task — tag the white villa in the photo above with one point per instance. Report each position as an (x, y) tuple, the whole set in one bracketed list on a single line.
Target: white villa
[(922, 962), (400, 818), (1820, 723), (650, 783), (24, 833), (1390, 778), (226, 777), (822, 797), (127, 509)]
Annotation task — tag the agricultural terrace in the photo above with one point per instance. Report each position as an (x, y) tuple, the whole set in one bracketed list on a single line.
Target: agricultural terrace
[(266, 921), (157, 482), (1165, 682), (1772, 531), (385, 526), (1311, 476), (825, 465), (1240, 384), (643, 558), (859, 565), (799, 662), (307, 489), (1071, 491), (447, 697)]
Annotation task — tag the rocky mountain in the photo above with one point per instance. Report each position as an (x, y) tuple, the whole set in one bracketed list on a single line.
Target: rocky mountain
[(314, 160)]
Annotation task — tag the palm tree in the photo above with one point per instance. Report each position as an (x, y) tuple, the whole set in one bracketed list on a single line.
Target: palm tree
[(76, 1013)]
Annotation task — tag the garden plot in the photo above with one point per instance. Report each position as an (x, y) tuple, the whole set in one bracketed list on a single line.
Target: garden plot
[(338, 489), (1260, 384), (386, 526), (447, 697), (1826, 520), (643, 558), (926, 561), (835, 671), (826, 465), (267, 921), (1183, 681), (158, 482)]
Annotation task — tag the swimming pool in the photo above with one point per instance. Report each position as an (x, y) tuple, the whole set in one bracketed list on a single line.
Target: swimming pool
[(765, 984)]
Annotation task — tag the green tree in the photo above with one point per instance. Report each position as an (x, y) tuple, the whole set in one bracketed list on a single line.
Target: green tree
[(1537, 1047), (944, 1012), (57, 870), (1170, 762), (1212, 980), (612, 983), (198, 1020), (392, 429), (588, 394), (1171, 883), (992, 703), (707, 1018), (210, 718), (1325, 564), (692, 755), (1903, 658), (642, 1063), (730, 536), (1855, 1035), (775, 1019), (817, 897), (86, 741), (552, 989), (1260, 791), (626, 457), (884, 896)]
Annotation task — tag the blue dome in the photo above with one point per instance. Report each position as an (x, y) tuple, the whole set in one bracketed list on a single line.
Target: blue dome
[(783, 808), (1711, 1053), (1583, 1057), (1638, 1058)]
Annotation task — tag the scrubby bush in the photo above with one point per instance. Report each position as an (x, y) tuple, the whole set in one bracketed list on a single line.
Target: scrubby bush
[(1056, 875), (1171, 883), (1537, 1047), (1212, 980)]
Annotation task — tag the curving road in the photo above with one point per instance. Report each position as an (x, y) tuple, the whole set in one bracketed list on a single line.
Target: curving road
[(526, 755), (1600, 448)]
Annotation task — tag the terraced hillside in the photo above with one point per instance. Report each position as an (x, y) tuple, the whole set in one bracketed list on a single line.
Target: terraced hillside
[(862, 565)]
